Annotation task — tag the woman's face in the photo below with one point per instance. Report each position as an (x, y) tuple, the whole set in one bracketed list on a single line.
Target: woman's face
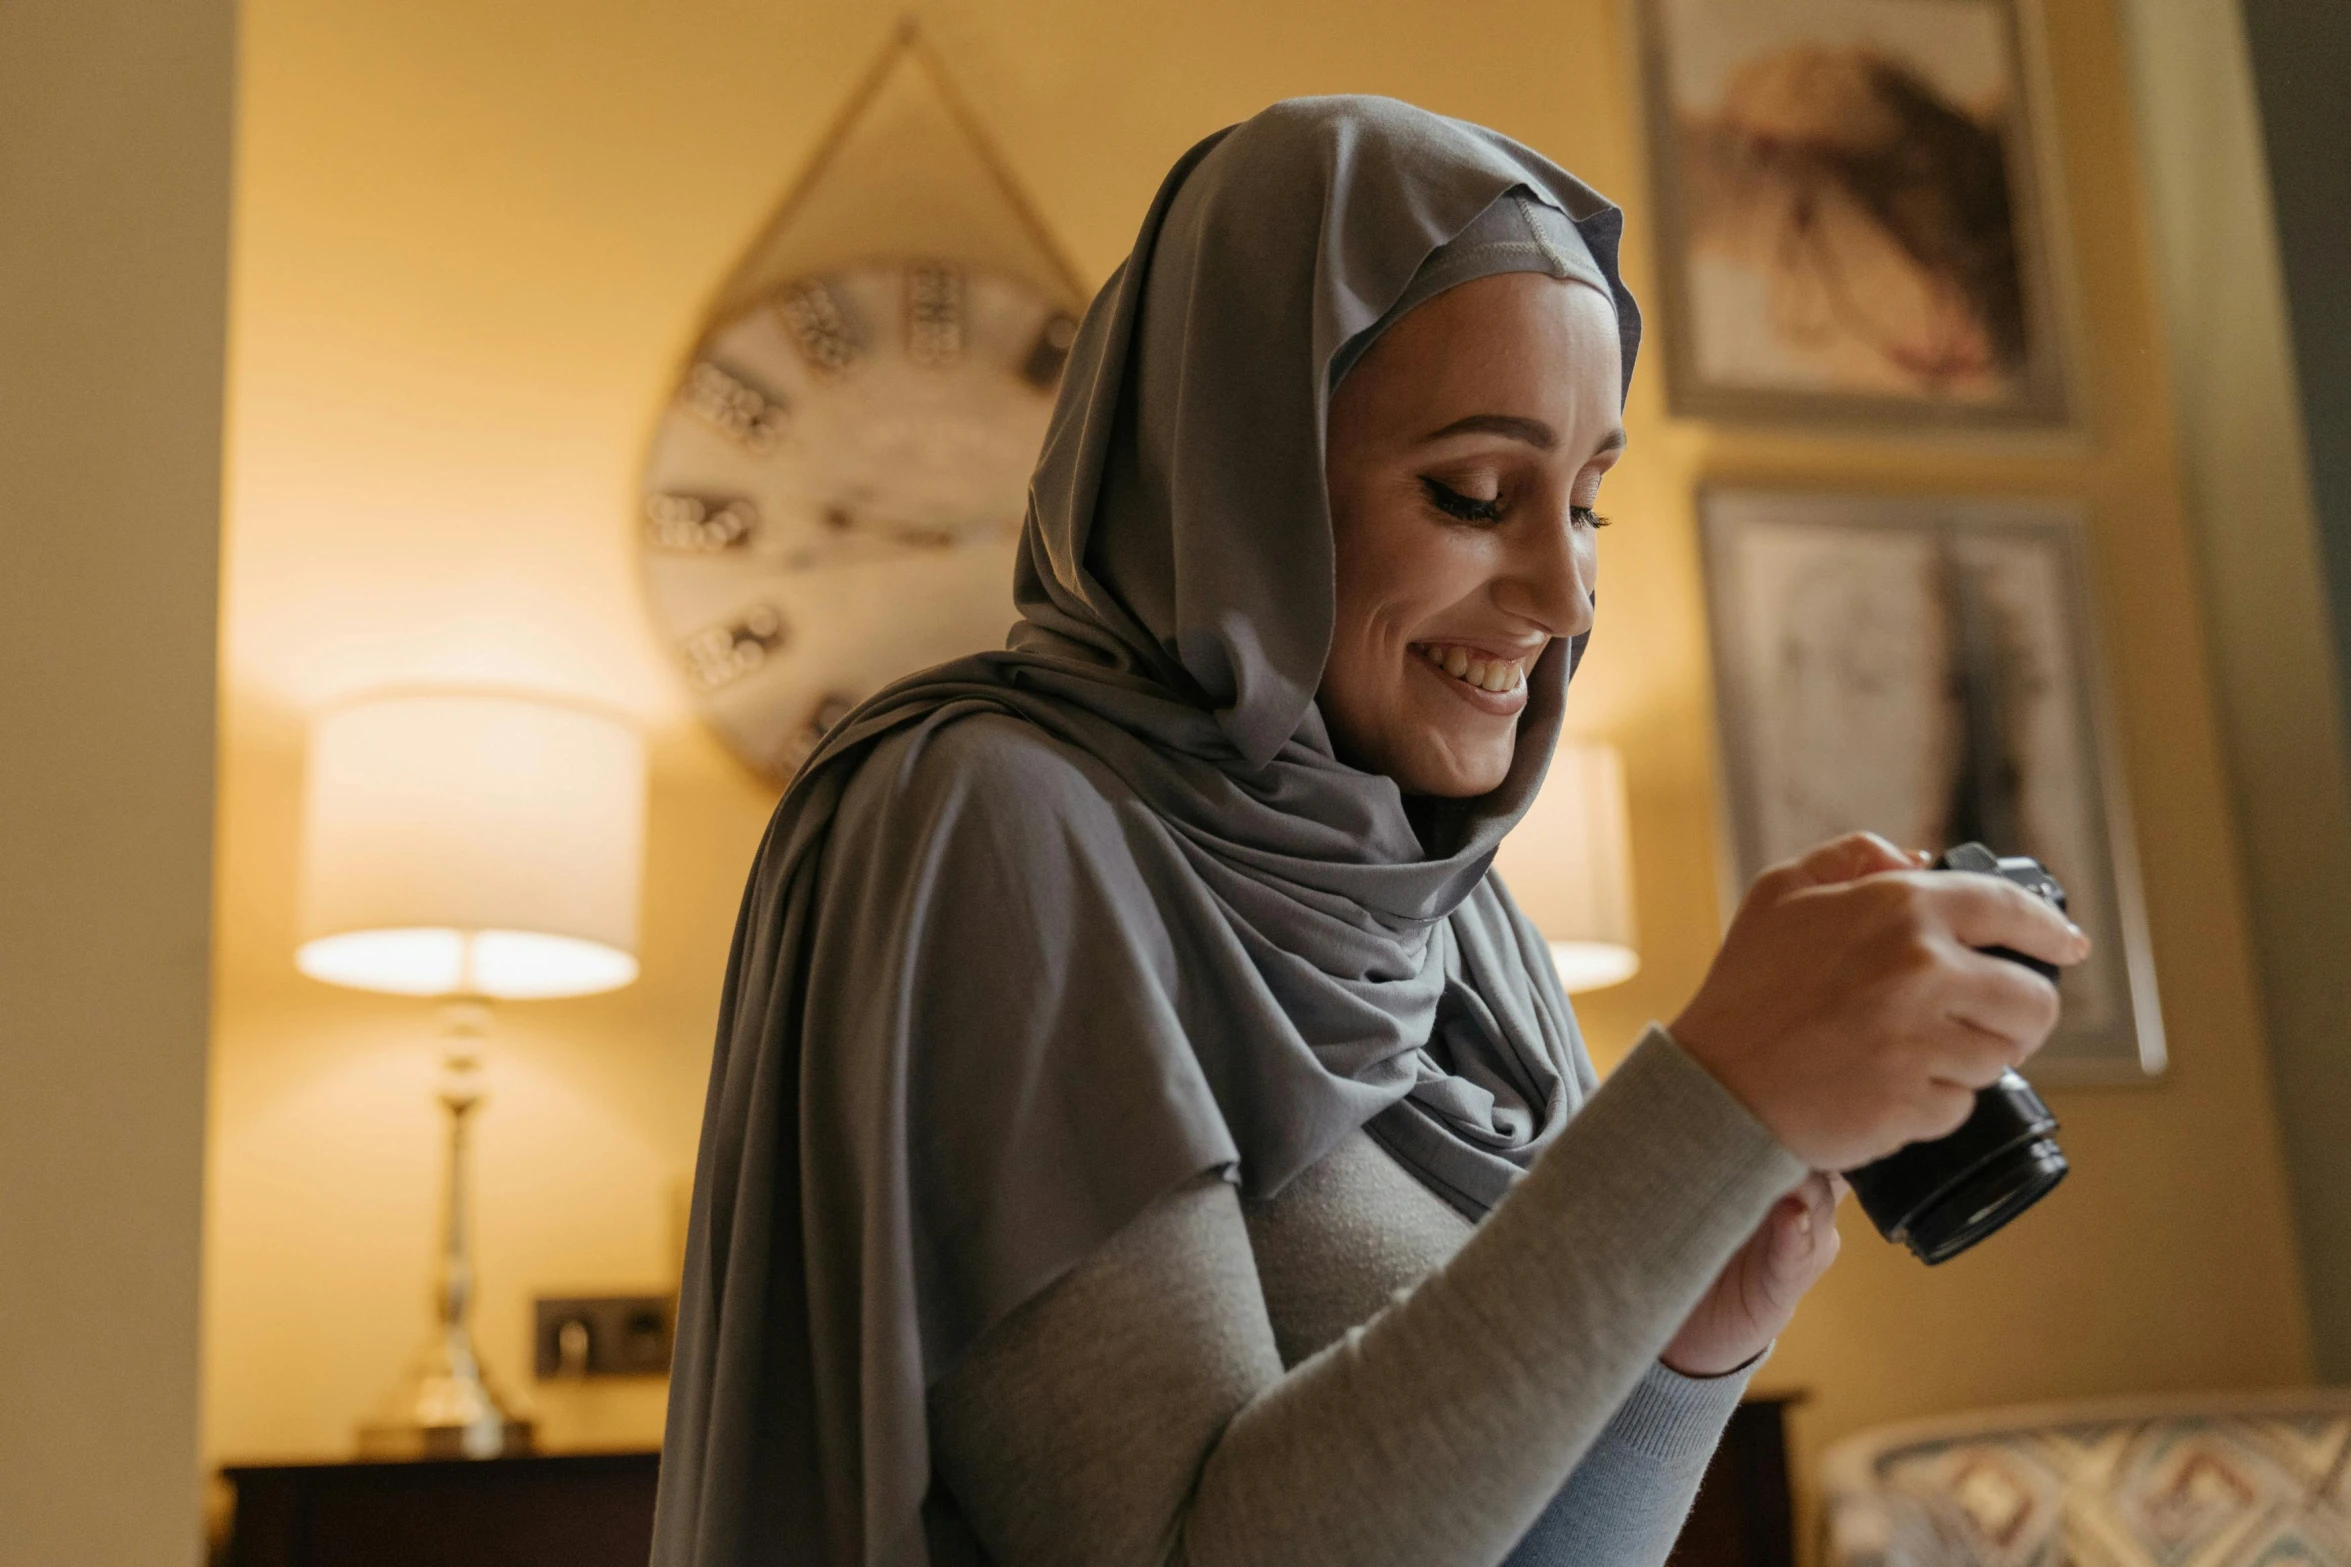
[(1464, 457)]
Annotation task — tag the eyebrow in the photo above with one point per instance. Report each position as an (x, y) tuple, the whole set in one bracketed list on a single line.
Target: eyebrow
[(1532, 431)]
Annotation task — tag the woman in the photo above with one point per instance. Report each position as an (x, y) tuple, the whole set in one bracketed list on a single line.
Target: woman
[(1118, 1022)]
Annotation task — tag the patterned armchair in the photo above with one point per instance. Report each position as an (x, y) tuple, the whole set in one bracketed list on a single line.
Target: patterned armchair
[(2224, 1481)]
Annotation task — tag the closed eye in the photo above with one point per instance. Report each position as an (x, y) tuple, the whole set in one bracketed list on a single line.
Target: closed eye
[(1467, 508)]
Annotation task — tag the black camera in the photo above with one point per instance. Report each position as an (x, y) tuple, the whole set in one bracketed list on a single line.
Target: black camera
[(1942, 1197)]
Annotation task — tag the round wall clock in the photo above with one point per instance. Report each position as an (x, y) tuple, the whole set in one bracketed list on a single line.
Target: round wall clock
[(834, 491)]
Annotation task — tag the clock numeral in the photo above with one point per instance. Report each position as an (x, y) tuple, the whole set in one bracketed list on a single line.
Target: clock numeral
[(934, 315), (1049, 352), (752, 419), (720, 655), (699, 524), (841, 521), (821, 325)]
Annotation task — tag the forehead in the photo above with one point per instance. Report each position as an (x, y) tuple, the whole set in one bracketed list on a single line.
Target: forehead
[(1516, 343)]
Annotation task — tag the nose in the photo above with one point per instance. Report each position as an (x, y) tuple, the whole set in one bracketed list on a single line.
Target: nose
[(1550, 578)]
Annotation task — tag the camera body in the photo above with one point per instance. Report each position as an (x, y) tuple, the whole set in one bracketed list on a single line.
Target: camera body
[(1940, 1198)]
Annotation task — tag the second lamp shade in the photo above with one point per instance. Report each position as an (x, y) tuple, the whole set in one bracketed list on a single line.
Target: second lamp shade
[(472, 844), (1569, 866)]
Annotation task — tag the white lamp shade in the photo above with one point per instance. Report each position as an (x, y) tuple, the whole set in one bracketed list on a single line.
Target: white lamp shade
[(472, 844), (1568, 863)]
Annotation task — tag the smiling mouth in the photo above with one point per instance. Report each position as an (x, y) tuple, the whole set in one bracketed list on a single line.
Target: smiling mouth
[(1496, 675)]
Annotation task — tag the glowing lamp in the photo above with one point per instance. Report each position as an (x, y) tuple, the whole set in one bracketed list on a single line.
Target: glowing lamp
[(1568, 863), (472, 845), (468, 847)]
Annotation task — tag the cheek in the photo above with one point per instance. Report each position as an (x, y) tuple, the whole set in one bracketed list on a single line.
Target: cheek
[(1379, 579), (1396, 571), (1357, 681)]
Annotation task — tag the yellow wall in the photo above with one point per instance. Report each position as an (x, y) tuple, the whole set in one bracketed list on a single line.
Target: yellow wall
[(115, 121), (472, 242), (2247, 475)]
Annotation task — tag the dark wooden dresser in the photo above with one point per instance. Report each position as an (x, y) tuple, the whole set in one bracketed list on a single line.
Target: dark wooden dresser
[(596, 1510), (569, 1510), (1745, 1515)]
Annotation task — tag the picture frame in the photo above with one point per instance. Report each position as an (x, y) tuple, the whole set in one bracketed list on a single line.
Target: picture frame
[(1928, 668), (1854, 213)]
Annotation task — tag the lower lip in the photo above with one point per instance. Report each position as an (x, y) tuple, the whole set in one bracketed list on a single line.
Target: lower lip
[(1502, 704)]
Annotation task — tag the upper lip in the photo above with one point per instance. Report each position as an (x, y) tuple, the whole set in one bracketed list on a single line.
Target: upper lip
[(1491, 652)]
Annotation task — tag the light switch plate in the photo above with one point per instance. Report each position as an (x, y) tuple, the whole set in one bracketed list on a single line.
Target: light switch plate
[(602, 1336)]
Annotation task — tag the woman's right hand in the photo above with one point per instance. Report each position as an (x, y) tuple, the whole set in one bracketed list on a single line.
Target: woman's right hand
[(1848, 1009)]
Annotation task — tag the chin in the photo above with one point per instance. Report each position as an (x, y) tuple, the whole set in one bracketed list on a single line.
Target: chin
[(1456, 768)]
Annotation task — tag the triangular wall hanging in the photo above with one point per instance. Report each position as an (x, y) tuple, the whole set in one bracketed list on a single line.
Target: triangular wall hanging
[(906, 169), (834, 488)]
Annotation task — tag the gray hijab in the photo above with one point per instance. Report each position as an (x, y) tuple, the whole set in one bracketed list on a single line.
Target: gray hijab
[(1038, 935)]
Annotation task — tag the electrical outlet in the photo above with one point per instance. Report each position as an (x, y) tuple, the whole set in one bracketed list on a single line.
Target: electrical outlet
[(603, 1336)]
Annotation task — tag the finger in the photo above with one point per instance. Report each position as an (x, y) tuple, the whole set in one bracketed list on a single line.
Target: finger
[(1849, 858), (1979, 1069), (1941, 1110), (1793, 1231), (1969, 1027), (1959, 1053), (2005, 1000), (1820, 1195), (1826, 1244), (1812, 1233), (1985, 911), (1814, 1213)]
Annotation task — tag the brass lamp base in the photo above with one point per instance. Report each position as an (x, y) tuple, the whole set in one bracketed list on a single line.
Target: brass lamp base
[(497, 1439), (445, 1407)]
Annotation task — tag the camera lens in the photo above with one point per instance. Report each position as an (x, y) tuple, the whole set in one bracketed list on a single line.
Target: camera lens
[(1942, 1197)]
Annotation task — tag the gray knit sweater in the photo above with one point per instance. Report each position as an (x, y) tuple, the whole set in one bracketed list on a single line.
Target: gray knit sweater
[(1349, 1373)]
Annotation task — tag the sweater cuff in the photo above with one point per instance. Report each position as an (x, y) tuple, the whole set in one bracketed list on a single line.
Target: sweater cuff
[(1678, 1419)]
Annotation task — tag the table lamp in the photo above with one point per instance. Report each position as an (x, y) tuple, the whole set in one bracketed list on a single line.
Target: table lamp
[(469, 847), (1569, 863)]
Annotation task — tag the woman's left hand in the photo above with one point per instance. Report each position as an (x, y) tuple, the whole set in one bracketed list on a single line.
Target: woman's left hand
[(1757, 1291)]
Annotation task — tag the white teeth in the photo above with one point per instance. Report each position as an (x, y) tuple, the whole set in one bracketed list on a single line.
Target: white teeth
[(1496, 675)]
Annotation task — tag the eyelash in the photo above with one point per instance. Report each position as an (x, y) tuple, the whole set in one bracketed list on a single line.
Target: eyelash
[(1463, 508)]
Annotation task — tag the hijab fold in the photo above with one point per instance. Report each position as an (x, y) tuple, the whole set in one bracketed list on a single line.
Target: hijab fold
[(1039, 934)]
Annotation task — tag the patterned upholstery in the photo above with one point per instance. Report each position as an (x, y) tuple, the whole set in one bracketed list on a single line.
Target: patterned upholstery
[(2216, 1482)]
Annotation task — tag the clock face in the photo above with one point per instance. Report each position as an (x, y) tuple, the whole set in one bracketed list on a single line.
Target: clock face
[(835, 491)]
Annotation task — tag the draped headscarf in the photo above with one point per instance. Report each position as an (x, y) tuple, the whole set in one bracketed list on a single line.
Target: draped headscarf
[(1037, 935)]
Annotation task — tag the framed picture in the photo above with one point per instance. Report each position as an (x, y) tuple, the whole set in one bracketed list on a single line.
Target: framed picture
[(1851, 212), (1928, 670)]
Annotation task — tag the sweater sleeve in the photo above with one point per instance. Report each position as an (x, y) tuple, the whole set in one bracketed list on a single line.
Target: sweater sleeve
[(1136, 1411), (1626, 1502)]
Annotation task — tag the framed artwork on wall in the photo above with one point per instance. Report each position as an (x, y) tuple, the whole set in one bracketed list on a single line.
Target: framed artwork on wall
[(1853, 220), (1928, 669)]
